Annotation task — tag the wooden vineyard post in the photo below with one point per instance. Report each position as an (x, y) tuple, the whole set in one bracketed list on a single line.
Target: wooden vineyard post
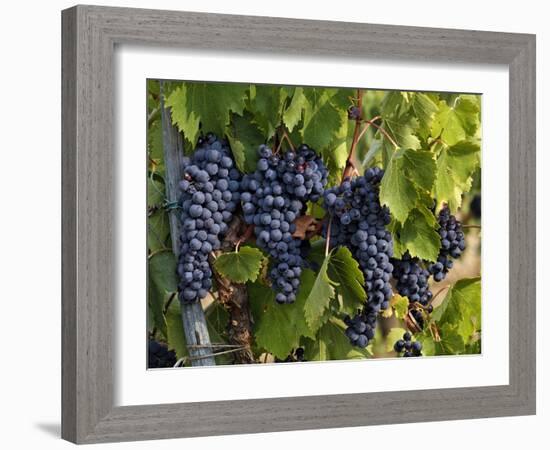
[(192, 314)]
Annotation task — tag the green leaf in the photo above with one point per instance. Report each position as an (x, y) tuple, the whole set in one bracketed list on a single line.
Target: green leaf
[(395, 229), (176, 334), (266, 104), (455, 167), (374, 149), (402, 130), (154, 144), (332, 344), (319, 296), (162, 270), (155, 301), (450, 342), (396, 190), (420, 167), (158, 228), (336, 154), (293, 114), (321, 119), (424, 109), (461, 308), (162, 282), (244, 138), (419, 234), (241, 266), (458, 121), (345, 273), (158, 231), (278, 328), (207, 104), (394, 103), (428, 343)]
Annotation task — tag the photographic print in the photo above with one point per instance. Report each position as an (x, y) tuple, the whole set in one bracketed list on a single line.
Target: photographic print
[(311, 223)]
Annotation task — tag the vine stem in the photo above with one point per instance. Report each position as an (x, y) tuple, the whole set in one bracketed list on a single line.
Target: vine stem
[(327, 242), (247, 234), (382, 130), (284, 136), (439, 292), (366, 127), (350, 166), (471, 226)]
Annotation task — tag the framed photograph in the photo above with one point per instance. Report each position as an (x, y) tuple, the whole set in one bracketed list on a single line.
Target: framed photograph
[(268, 230)]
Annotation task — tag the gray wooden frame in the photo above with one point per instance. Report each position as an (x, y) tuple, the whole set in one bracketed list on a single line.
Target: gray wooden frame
[(89, 37)]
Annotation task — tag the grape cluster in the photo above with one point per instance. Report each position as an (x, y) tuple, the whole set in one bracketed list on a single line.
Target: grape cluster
[(354, 113), (452, 244), (210, 194), (272, 198), (412, 279), (359, 222), (159, 356), (360, 328), (407, 347), (418, 316)]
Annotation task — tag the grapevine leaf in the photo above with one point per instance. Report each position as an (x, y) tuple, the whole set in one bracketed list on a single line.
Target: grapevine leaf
[(162, 270), (393, 336), (176, 334), (420, 236), (332, 344), (321, 119), (278, 328), (424, 109), (420, 167), (399, 305), (154, 144), (207, 104), (456, 122), (244, 138), (402, 130), (155, 300), (461, 308), (241, 266), (455, 167), (158, 231), (162, 281), (344, 271), (450, 342), (266, 103), (374, 149), (395, 229), (397, 191), (155, 191), (336, 154), (428, 344), (293, 114), (394, 103), (319, 296)]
